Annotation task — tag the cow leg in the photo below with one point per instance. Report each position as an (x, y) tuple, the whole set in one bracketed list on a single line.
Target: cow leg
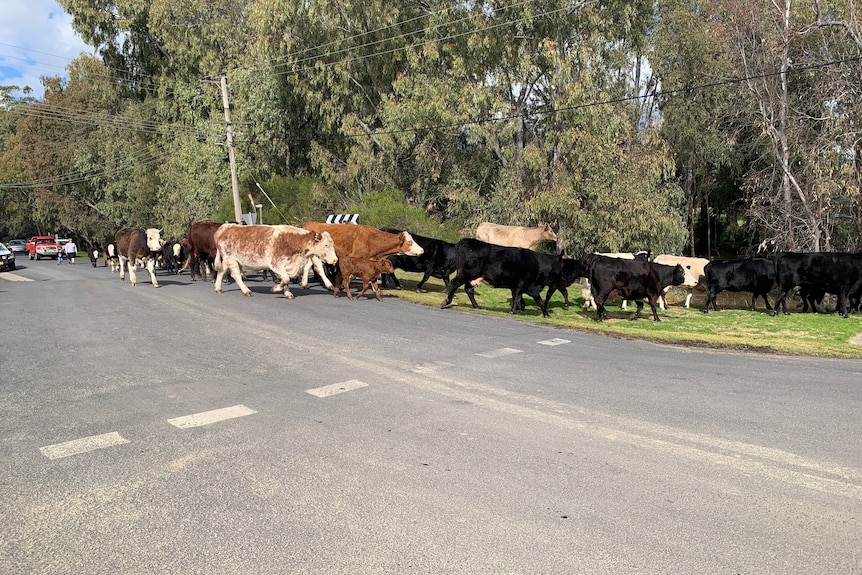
[(218, 280), (551, 291), (780, 303), (236, 274), (133, 271), (536, 294), (395, 282), (640, 307), (687, 298), (517, 300), (653, 302), (283, 284), (842, 301), (151, 269), (346, 285), (421, 283), (710, 299), (565, 292), (450, 291), (123, 263), (766, 301), (318, 268), (376, 289), (364, 288), (470, 288), (599, 301)]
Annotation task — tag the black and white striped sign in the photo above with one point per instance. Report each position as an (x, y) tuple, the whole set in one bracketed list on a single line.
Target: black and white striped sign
[(342, 219)]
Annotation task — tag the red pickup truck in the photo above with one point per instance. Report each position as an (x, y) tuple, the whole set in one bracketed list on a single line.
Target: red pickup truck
[(39, 247)]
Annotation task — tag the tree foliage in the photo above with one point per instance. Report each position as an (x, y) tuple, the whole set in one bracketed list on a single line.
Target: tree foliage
[(689, 126)]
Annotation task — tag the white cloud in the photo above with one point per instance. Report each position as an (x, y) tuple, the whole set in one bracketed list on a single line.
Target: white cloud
[(36, 39)]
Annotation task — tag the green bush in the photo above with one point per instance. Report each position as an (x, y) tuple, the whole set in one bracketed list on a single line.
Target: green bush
[(390, 209)]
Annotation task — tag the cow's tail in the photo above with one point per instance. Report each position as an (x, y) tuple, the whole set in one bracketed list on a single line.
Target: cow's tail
[(217, 263)]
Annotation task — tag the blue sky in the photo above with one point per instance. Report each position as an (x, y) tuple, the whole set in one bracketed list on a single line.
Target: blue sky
[(36, 39)]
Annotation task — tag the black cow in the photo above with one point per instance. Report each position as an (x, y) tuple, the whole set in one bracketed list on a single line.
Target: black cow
[(173, 256), (437, 261), (521, 270), (755, 275), (815, 273), (632, 279), (93, 254), (570, 272)]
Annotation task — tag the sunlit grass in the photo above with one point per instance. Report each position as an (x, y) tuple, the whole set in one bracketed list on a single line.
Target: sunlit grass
[(731, 328)]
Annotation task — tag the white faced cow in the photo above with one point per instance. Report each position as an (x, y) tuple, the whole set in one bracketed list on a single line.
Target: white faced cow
[(284, 250), (135, 246)]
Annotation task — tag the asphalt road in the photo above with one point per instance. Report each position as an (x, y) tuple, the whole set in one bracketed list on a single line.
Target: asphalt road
[(176, 430)]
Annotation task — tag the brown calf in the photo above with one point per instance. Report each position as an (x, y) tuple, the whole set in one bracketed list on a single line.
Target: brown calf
[(367, 270)]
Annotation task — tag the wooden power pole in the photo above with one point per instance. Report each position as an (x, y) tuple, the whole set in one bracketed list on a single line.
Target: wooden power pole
[(234, 181)]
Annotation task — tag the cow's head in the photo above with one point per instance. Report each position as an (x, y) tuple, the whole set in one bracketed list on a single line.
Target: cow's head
[(385, 266), (153, 240), (679, 275), (548, 233), (691, 279), (409, 247), (324, 248)]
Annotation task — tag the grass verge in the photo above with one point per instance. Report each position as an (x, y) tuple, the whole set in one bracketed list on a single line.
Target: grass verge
[(731, 328)]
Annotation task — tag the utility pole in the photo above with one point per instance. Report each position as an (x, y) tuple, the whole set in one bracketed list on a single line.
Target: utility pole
[(234, 181)]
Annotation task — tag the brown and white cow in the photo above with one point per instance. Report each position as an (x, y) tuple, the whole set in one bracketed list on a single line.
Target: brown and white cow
[(367, 270), (516, 236), (284, 250), (136, 246), (363, 242), (694, 274), (200, 246)]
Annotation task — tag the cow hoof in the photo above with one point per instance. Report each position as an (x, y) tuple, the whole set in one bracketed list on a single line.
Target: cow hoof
[(247, 293), (157, 285), (288, 295)]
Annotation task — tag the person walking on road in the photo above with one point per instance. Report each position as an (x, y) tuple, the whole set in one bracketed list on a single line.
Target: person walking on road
[(71, 251)]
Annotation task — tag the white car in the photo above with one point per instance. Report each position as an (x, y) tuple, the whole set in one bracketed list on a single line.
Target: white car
[(7, 259)]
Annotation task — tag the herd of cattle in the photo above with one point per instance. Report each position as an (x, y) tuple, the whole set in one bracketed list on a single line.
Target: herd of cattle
[(502, 256)]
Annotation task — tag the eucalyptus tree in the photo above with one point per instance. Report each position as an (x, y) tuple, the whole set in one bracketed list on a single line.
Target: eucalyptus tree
[(799, 117), (691, 66)]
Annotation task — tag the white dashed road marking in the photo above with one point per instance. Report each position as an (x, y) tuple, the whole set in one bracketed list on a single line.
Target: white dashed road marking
[(555, 341), (336, 388), (431, 367), (499, 352), (83, 445), (207, 417)]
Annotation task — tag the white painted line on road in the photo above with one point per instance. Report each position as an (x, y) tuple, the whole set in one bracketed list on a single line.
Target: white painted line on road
[(207, 417), (15, 278), (431, 367), (83, 445), (336, 388), (555, 341), (499, 352)]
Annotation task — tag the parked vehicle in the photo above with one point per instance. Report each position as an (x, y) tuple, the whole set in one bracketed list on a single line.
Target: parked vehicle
[(7, 259), (39, 247), (17, 246)]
